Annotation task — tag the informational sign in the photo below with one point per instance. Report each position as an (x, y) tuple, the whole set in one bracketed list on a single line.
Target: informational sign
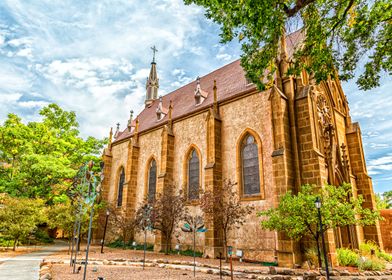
[(230, 250)]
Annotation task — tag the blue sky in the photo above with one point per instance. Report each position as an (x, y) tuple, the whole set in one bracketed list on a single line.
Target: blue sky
[(93, 57)]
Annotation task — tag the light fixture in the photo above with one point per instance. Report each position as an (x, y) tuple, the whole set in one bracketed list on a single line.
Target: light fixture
[(317, 203)]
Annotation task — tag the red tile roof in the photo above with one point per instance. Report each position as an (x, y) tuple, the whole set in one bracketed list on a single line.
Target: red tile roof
[(230, 81)]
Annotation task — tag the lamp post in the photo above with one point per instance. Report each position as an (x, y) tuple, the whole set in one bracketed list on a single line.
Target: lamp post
[(104, 231), (318, 206)]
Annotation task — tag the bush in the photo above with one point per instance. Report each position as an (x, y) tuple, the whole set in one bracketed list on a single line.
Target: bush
[(42, 236), (385, 256), (118, 243), (346, 257), (367, 248), (374, 264)]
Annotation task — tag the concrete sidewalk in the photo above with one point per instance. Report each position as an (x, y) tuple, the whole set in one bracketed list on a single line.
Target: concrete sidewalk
[(26, 267)]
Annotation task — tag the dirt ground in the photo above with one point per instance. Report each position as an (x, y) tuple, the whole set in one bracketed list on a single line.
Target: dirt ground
[(7, 253), (64, 272), (115, 253)]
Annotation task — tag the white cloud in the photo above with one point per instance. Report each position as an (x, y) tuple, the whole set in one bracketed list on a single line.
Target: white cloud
[(93, 57), (33, 104)]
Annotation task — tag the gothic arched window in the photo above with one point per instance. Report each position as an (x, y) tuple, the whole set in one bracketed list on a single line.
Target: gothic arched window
[(120, 187), (152, 180), (250, 166), (193, 175)]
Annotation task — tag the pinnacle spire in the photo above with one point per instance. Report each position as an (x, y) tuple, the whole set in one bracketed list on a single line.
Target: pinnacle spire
[(152, 83)]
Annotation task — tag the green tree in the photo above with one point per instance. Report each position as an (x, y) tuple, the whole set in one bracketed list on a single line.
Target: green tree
[(338, 35), (39, 159), (19, 217), (297, 216), (384, 201)]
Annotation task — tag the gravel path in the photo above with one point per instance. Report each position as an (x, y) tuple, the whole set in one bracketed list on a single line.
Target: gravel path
[(26, 266), (109, 272)]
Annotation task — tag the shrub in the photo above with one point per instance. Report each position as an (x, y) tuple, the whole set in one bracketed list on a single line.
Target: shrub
[(367, 248), (385, 256), (371, 264), (42, 236), (118, 243), (346, 257), (312, 256)]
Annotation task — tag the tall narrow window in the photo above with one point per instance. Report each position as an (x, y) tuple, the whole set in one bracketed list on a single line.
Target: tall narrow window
[(152, 180), (250, 166), (120, 187), (193, 176)]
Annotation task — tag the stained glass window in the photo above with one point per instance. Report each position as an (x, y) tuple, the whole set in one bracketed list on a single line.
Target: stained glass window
[(193, 176), (120, 187), (152, 180), (250, 166)]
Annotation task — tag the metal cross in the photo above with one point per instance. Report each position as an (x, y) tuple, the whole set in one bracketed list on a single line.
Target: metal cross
[(154, 50)]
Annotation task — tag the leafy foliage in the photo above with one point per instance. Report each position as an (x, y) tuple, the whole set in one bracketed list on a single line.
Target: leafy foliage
[(370, 248), (338, 35), (225, 205), (384, 201), (19, 217), (374, 264), (39, 159), (297, 215), (347, 257)]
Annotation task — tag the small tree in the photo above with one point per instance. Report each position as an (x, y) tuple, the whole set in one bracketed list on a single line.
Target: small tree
[(296, 215), (167, 210), (19, 217), (384, 201), (225, 206), (123, 223)]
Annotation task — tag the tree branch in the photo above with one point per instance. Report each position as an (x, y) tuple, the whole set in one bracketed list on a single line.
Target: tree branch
[(350, 4), (290, 12)]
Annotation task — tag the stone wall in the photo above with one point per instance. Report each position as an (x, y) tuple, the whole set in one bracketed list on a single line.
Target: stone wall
[(252, 113), (386, 229)]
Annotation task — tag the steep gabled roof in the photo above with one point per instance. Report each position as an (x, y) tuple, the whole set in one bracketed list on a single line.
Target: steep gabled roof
[(230, 81)]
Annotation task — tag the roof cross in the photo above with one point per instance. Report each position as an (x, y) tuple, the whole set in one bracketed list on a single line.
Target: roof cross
[(154, 50)]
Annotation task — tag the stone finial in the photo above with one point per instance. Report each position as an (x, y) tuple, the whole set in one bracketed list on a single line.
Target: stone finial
[(170, 110), (110, 136), (159, 111), (170, 121), (117, 131), (137, 125), (130, 120), (215, 93), (200, 95)]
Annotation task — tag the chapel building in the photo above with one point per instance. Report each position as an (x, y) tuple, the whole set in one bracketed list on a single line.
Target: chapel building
[(222, 127)]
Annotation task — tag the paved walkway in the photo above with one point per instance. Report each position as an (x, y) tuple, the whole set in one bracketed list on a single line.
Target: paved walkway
[(26, 267)]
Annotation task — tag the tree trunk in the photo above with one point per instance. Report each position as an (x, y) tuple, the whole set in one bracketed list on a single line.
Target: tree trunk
[(15, 242), (167, 244), (225, 245), (69, 244)]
